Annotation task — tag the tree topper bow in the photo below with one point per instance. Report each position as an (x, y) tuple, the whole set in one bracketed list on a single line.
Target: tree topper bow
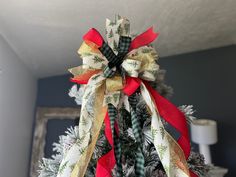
[(102, 72)]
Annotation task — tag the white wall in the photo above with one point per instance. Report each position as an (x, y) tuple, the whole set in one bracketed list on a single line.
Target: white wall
[(17, 99)]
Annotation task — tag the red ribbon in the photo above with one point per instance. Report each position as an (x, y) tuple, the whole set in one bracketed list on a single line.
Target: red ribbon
[(131, 85), (107, 162), (143, 39), (94, 36), (81, 81)]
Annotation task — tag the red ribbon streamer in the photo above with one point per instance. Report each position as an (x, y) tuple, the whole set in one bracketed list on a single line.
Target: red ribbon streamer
[(173, 116), (143, 39), (107, 162)]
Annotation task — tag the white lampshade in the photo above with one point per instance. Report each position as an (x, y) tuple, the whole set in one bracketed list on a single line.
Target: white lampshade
[(204, 131)]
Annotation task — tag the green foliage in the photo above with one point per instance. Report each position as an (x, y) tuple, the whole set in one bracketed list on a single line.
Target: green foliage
[(147, 50), (84, 121), (115, 97), (62, 167), (119, 30), (110, 35), (154, 132), (126, 27), (95, 77), (97, 59), (79, 141), (82, 150), (162, 149), (162, 131), (115, 46), (112, 23)]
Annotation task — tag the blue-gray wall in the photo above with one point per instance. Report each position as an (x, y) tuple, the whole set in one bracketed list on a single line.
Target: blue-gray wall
[(204, 79), (53, 92)]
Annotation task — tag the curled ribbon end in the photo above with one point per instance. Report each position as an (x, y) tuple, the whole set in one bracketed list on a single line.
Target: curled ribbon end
[(153, 33), (93, 36), (144, 39), (156, 34), (78, 81), (72, 80)]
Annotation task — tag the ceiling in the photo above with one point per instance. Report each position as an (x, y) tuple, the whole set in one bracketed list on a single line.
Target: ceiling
[(46, 34)]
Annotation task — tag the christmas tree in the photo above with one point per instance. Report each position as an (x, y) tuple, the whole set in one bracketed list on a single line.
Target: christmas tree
[(126, 124)]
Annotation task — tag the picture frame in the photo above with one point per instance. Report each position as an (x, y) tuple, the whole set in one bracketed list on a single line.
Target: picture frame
[(43, 115)]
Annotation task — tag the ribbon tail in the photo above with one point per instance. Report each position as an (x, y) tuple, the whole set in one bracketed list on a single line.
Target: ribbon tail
[(143, 39), (105, 165), (76, 159), (99, 114), (107, 162), (174, 117), (137, 132), (170, 153)]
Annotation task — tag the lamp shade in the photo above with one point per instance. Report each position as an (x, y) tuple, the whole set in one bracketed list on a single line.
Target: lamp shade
[(204, 131)]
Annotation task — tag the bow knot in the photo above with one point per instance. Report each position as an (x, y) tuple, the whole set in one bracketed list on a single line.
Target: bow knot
[(114, 61)]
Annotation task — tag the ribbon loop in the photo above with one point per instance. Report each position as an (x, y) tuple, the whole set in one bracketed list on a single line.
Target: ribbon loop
[(132, 67), (124, 43)]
